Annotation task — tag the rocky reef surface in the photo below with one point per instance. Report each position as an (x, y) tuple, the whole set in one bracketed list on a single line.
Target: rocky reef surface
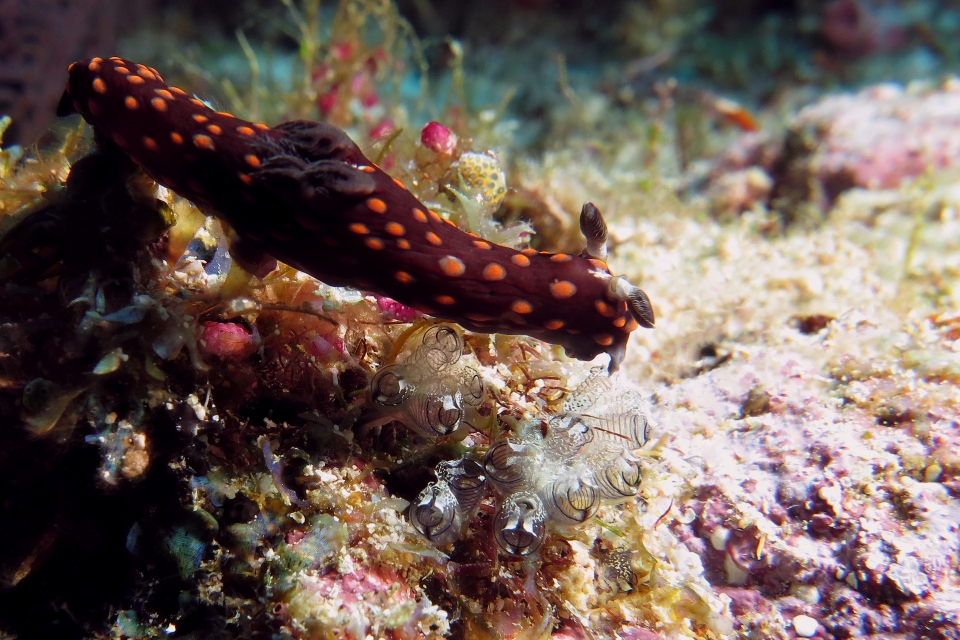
[(192, 450)]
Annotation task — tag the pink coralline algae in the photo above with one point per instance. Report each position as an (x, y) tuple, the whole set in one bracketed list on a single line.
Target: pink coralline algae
[(227, 340), (855, 28), (877, 138), (396, 310), (438, 138), (809, 512)]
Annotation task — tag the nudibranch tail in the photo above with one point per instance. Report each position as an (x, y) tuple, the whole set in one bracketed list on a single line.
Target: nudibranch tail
[(305, 193)]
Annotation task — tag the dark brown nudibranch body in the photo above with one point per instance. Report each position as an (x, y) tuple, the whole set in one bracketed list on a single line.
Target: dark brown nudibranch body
[(304, 192)]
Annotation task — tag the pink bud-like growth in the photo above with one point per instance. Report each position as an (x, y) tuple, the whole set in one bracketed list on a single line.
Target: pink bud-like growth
[(227, 340), (438, 138)]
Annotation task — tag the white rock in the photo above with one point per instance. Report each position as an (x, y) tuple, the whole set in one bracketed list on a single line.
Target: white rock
[(805, 626)]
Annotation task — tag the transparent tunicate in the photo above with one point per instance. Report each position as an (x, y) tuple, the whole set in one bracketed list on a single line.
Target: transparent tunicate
[(572, 498), (619, 478), (436, 515), (618, 415), (429, 390), (471, 386), (513, 466), (466, 480), (567, 434), (435, 407), (440, 348), (551, 471), (443, 507), (519, 527), (389, 388)]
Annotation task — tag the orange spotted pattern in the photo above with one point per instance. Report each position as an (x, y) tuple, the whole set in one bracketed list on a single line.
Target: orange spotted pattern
[(304, 192)]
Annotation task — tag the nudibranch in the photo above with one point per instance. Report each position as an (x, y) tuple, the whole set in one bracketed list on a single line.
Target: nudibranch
[(304, 193)]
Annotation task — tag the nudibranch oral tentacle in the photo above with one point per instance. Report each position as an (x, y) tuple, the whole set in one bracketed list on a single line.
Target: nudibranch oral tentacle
[(306, 194)]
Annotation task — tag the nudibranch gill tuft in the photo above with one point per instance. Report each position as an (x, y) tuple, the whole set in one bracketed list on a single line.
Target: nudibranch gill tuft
[(304, 192)]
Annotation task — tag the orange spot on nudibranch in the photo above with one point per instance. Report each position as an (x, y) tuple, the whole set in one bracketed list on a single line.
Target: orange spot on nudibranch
[(150, 143), (361, 229), (529, 252), (245, 131), (214, 129), (247, 180), (225, 114), (377, 205), (197, 102), (433, 238), (435, 216), (146, 73), (366, 169), (480, 244), (163, 93), (419, 215), (159, 104), (619, 322), (99, 85), (122, 70), (494, 271), (374, 243), (178, 91), (395, 229), (199, 117), (603, 308), (403, 277), (521, 307), (201, 141), (252, 160), (262, 126), (553, 325), (603, 339), (310, 222), (176, 137), (131, 102), (403, 244), (135, 80), (399, 184), (520, 260), (448, 300), (600, 264), (94, 65), (560, 257), (452, 266), (562, 289)]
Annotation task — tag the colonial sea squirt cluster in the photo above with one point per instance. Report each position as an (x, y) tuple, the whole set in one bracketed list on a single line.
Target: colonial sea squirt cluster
[(348, 223)]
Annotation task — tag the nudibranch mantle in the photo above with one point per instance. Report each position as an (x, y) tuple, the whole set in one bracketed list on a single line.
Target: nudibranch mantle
[(304, 193)]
